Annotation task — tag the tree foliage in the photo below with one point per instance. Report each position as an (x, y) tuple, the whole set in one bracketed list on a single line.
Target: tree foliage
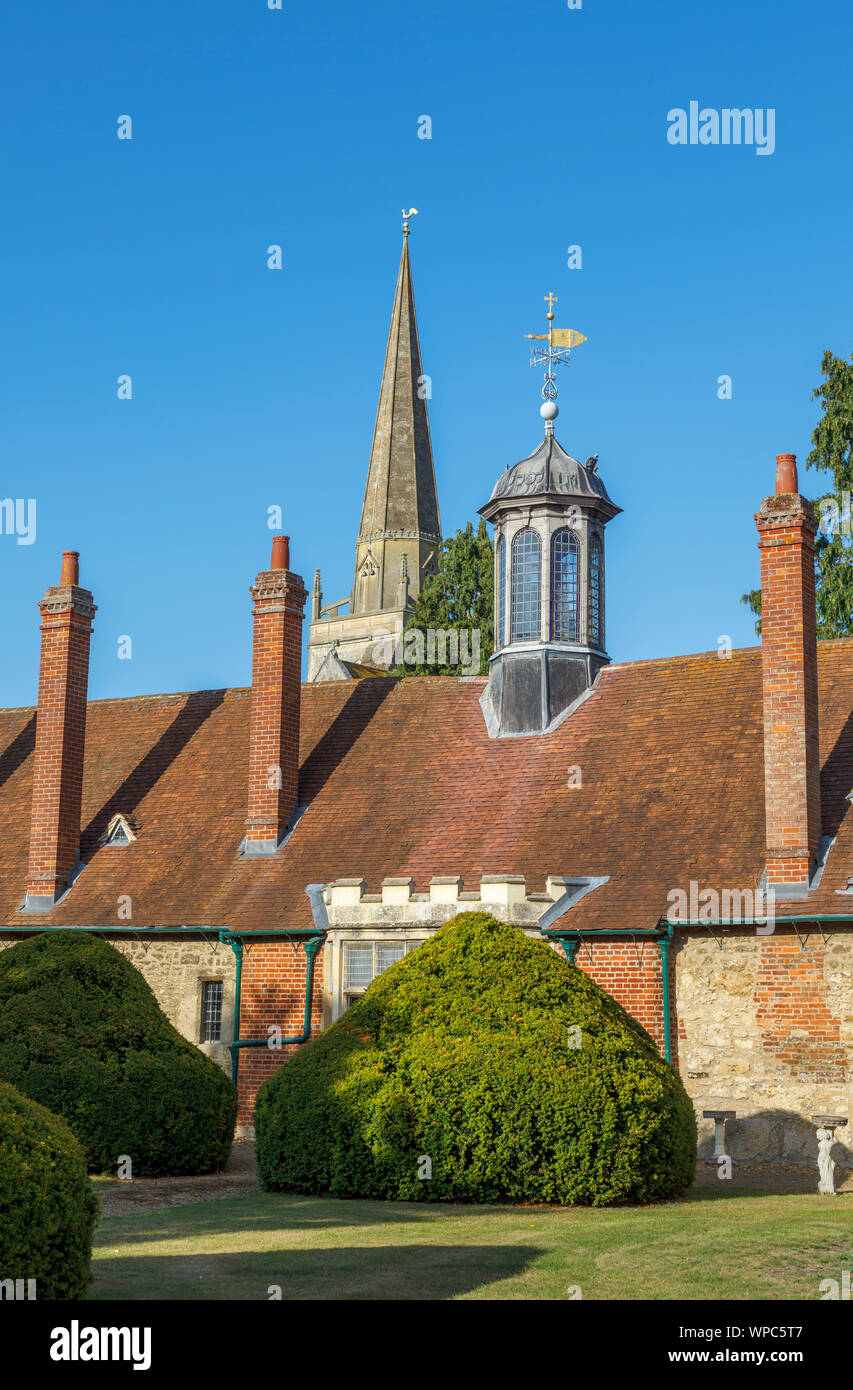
[(47, 1207), (460, 597), (82, 1033), (491, 1056), (831, 452)]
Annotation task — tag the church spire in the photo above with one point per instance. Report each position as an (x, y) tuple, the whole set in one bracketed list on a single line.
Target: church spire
[(400, 511)]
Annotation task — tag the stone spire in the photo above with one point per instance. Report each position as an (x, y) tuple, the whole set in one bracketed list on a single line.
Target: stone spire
[(400, 511), (399, 539)]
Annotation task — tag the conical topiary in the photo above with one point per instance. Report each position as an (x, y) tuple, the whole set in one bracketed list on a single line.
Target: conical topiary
[(481, 1067), (47, 1206), (82, 1033)]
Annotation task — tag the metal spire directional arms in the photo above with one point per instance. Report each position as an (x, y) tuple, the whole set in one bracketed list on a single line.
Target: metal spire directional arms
[(557, 354)]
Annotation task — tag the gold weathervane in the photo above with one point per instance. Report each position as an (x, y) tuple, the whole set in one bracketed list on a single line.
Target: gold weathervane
[(557, 337), (406, 215), (558, 353)]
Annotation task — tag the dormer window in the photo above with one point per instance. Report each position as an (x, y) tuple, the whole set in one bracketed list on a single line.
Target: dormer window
[(118, 832), (565, 567), (526, 584)]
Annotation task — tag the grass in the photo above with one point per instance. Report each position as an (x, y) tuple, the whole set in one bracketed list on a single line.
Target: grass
[(737, 1245)]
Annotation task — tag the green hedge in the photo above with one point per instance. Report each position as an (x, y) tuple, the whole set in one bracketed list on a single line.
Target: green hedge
[(82, 1033), (47, 1207), (460, 1052)]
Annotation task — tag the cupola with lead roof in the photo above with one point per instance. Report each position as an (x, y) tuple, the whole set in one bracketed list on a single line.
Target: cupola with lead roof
[(549, 512)]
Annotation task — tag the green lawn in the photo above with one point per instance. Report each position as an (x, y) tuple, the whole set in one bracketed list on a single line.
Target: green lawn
[(735, 1245)]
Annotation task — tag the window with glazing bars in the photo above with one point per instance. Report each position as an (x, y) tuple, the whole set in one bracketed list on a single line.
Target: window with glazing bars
[(211, 1011), (565, 552), (364, 960), (501, 592), (526, 576), (596, 590)]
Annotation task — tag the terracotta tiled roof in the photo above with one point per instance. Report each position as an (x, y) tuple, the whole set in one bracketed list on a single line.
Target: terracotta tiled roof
[(401, 779)]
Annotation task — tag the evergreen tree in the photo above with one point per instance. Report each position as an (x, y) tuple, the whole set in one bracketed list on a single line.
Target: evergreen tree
[(459, 597), (832, 451)]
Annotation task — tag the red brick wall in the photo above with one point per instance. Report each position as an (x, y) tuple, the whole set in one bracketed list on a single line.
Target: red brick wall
[(632, 975), (797, 1028), (787, 528), (67, 613), (272, 993), (276, 683)]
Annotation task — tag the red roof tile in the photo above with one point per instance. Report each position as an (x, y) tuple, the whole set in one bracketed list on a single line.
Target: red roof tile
[(401, 779)]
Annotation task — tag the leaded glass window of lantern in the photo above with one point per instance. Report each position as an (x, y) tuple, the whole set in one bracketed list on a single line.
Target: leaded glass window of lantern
[(526, 580), (501, 592), (596, 593), (565, 562)]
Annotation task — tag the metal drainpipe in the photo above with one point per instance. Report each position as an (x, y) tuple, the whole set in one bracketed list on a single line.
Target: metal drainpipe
[(312, 946), (237, 948), (663, 933), (665, 943)]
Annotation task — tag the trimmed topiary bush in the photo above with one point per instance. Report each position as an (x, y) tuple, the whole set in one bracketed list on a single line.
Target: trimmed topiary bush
[(47, 1206), (82, 1033), (460, 1053)]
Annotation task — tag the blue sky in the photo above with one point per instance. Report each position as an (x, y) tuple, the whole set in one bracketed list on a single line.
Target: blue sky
[(254, 387)]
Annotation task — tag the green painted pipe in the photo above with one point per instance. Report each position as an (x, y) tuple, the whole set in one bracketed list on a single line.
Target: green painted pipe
[(237, 948), (227, 935), (312, 947), (665, 943), (570, 940)]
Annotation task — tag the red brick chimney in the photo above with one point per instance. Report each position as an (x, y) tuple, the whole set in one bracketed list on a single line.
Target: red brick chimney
[(279, 599), (787, 526), (67, 612)]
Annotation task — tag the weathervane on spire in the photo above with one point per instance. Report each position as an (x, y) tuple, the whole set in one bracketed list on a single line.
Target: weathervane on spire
[(557, 354), (406, 215)]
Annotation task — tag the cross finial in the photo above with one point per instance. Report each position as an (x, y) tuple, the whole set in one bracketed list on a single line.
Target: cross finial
[(552, 300)]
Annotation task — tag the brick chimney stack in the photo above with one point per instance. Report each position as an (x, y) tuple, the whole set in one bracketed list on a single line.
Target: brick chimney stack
[(787, 526), (67, 612), (279, 599)]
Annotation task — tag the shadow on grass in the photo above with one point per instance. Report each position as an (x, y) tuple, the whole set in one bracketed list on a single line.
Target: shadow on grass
[(723, 1191), (341, 1273), (290, 1212), (269, 1211)]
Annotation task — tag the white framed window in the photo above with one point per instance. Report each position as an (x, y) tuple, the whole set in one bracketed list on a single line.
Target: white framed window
[(364, 960)]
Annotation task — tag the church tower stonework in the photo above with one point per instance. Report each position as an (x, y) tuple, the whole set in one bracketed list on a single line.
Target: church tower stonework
[(399, 539)]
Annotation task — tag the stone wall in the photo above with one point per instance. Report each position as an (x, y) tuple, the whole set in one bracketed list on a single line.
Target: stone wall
[(175, 969), (765, 1028), (759, 1025)]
